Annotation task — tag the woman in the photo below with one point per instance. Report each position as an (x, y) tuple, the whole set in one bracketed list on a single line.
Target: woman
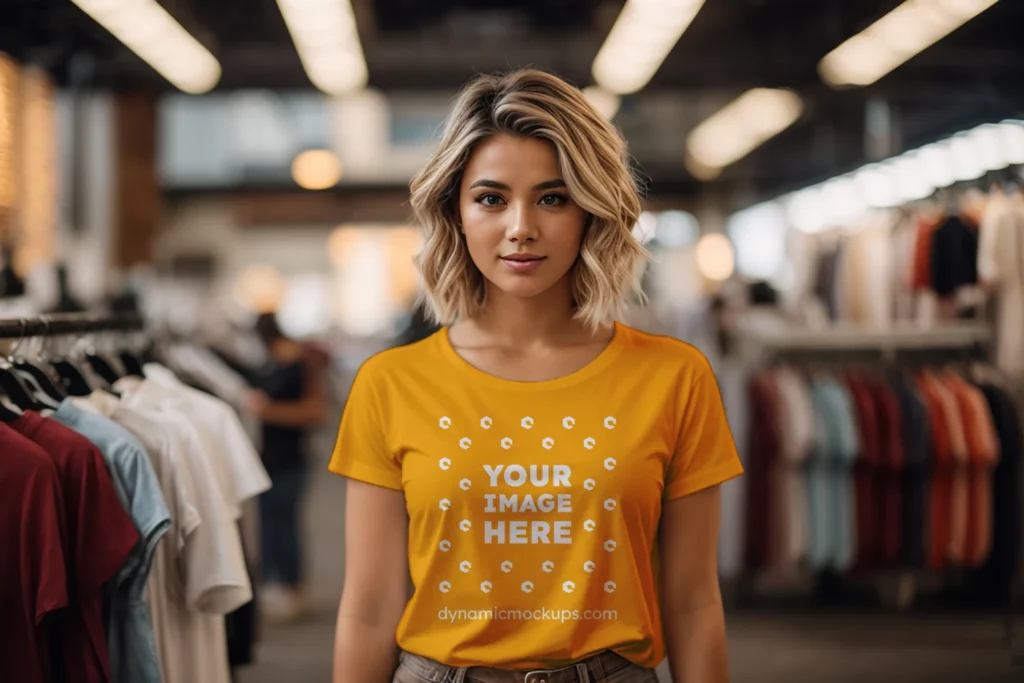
[(290, 401), (548, 476)]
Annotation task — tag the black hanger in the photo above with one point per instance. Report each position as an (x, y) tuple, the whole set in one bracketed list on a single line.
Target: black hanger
[(41, 396), (42, 381), (17, 390), (131, 364), (72, 378), (102, 368)]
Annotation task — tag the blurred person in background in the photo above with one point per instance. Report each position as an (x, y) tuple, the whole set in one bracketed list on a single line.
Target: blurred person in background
[(532, 391), (289, 398)]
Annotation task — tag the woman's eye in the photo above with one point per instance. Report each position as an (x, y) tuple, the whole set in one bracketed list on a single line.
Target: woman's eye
[(489, 200), (553, 199)]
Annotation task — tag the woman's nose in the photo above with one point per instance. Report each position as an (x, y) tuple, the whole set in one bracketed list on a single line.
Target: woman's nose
[(523, 225)]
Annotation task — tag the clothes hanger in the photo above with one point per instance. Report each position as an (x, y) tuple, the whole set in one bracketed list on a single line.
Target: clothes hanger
[(20, 392), (71, 377), (102, 368), (34, 374), (132, 365)]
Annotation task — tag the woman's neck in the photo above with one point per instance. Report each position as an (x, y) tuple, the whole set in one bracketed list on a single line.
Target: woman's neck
[(520, 323)]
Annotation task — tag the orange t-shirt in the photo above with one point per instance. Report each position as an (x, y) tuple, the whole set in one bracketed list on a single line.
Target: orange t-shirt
[(534, 506)]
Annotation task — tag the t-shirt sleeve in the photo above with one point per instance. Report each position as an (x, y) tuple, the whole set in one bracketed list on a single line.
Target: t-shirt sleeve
[(361, 450), (705, 453)]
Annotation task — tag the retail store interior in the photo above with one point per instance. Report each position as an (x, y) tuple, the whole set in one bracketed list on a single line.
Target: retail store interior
[(833, 205)]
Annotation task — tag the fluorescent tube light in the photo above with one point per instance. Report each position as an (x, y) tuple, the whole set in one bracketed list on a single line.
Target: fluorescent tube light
[(641, 38), (901, 34), (327, 40), (160, 41), (739, 128)]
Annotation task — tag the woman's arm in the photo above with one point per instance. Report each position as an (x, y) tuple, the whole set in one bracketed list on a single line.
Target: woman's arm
[(691, 600), (376, 584)]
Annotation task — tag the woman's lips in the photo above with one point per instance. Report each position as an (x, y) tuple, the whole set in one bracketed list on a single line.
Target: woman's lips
[(522, 264)]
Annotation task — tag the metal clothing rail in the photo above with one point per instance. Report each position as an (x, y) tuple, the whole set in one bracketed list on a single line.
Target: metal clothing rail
[(765, 337), (68, 324)]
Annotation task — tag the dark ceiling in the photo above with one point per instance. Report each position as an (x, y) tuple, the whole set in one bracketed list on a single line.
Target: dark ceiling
[(974, 75)]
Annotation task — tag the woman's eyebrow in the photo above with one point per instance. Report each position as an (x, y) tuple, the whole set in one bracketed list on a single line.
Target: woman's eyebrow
[(494, 184)]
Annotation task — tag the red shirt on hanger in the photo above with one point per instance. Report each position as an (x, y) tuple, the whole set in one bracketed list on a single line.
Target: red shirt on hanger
[(33, 577), (100, 535)]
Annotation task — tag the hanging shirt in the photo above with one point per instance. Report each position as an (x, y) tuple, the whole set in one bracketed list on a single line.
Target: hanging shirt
[(129, 625), (866, 474), (198, 572), (954, 256), (943, 465), (983, 456), (996, 578), (959, 501), (797, 435), (100, 537), (763, 453), (1001, 268), (915, 430), (732, 380), (892, 480), (247, 476), (832, 501), (534, 506), (33, 574)]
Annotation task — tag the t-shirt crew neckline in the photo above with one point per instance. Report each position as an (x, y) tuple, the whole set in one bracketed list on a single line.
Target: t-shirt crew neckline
[(608, 354)]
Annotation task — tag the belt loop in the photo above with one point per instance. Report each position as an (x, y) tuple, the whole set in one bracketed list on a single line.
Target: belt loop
[(582, 673), (597, 667), (460, 675)]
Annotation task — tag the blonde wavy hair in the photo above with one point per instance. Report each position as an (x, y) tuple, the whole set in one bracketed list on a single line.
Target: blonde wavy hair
[(594, 164)]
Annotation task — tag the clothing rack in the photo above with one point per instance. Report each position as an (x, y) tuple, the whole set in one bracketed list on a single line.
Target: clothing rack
[(765, 338), (69, 324)]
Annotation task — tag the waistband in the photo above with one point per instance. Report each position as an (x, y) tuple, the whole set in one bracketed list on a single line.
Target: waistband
[(593, 669)]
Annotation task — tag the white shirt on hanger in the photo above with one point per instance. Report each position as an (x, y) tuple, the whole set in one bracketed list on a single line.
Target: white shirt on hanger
[(248, 476)]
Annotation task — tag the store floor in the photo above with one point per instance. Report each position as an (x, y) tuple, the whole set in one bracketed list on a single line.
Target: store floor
[(764, 648)]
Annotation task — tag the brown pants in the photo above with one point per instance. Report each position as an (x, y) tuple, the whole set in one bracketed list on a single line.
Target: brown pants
[(606, 667)]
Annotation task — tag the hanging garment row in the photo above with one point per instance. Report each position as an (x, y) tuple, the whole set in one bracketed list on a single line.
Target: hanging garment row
[(122, 490), (926, 262), (857, 470)]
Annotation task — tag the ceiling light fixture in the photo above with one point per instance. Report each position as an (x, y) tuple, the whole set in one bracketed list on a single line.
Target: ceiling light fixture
[(901, 34), (327, 40), (641, 38), (316, 169), (715, 257), (739, 128), (160, 41)]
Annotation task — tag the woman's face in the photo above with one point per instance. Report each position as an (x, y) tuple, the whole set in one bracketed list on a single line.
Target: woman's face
[(522, 229)]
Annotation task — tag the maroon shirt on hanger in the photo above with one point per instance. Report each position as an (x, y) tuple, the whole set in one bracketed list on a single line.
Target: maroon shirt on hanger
[(866, 474), (763, 445), (100, 535), (33, 578), (891, 520)]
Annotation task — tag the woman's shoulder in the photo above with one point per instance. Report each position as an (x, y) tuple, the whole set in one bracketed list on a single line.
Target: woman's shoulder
[(663, 351), (402, 359)]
